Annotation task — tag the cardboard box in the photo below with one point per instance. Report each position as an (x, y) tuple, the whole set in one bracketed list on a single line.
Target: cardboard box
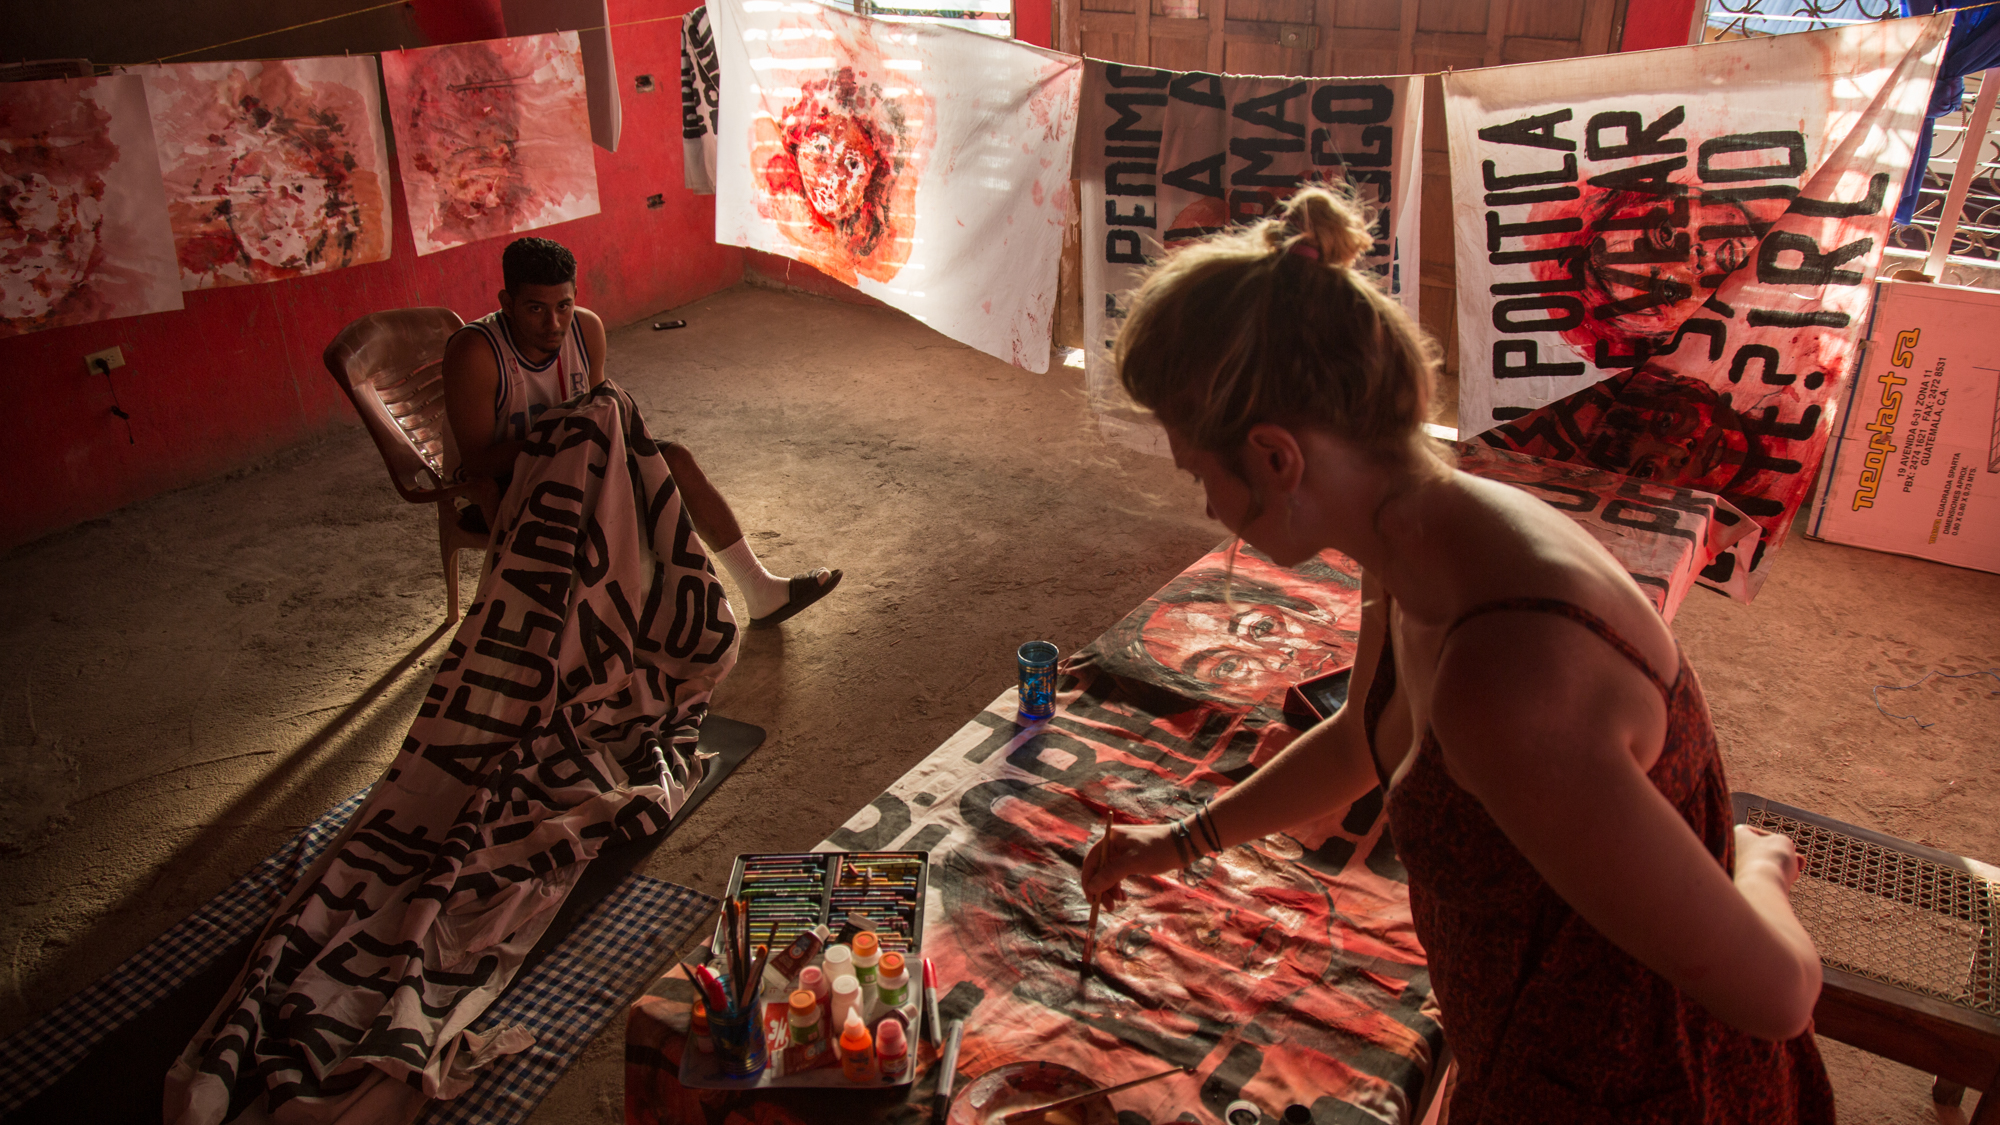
[(1916, 468)]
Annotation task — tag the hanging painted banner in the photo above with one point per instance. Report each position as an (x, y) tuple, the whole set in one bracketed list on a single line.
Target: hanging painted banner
[(925, 166), (700, 95), (1664, 259), (591, 20), (1165, 158), (493, 137), (562, 720), (272, 169), (83, 220)]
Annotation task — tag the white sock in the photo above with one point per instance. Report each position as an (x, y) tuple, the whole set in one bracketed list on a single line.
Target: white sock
[(766, 592)]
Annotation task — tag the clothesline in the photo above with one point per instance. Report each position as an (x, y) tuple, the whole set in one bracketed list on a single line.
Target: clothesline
[(107, 68)]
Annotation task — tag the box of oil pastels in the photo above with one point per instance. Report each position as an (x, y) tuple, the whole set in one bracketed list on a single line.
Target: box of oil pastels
[(831, 945)]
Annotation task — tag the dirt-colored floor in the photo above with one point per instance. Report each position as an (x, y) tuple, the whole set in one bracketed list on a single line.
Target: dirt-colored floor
[(186, 683)]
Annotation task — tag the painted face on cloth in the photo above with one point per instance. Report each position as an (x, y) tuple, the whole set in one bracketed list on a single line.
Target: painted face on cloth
[(836, 163)]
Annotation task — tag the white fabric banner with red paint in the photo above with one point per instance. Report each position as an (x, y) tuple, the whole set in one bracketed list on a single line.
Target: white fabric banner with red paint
[(926, 166), (1165, 158), (1664, 259)]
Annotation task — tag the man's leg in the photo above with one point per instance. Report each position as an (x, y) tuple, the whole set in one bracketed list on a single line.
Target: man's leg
[(769, 595)]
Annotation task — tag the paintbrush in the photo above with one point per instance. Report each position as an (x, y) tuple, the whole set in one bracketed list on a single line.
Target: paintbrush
[(755, 989), (1036, 1111), (1090, 929)]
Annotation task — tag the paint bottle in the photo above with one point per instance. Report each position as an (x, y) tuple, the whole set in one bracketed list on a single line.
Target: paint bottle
[(786, 966), (892, 984), (839, 962), (846, 1000), (857, 1049), (814, 981), (702, 1042), (867, 959), (892, 1050), (806, 1033)]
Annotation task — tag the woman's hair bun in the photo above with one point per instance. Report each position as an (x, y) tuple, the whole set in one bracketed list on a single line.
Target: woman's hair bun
[(1331, 221)]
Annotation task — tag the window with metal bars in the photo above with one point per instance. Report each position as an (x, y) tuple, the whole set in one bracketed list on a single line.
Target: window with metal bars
[(987, 17)]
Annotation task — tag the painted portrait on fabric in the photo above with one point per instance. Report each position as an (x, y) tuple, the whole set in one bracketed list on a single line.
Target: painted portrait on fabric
[(493, 137), (83, 220), (837, 158), (272, 169)]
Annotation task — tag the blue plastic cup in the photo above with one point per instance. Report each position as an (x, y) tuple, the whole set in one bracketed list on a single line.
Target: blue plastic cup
[(1038, 679)]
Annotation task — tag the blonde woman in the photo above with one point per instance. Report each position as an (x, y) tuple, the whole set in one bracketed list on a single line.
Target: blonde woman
[(1604, 946)]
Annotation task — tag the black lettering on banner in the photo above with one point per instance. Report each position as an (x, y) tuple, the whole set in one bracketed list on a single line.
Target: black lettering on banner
[(689, 600), (1580, 502), (1139, 217), (1122, 247), (1878, 190), (1188, 88), (1563, 175), (531, 541), (1655, 289), (1794, 166), (544, 672), (1531, 365), (1497, 230), (1572, 282), (1647, 179), (540, 506), (725, 630), (1640, 139), (549, 588), (1268, 111), (590, 631), (1381, 103), (1646, 517), (1125, 77), (1778, 318), (656, 508), (1538, 131), (1751, 226), (683, 557), (1377, 151), (1259, 154), (1568, 314), (1198, 177), (592, 570), (1814, 268), (1604, 359), (1767, 360), (496, 628), (1113, 185)]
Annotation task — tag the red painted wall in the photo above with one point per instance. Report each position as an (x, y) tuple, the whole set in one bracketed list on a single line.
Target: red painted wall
[(1035, 22), (236, 375), (1657, 23)]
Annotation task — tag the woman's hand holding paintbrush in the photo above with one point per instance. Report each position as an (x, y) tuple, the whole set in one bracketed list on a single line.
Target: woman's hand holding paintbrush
[(1135, 849)]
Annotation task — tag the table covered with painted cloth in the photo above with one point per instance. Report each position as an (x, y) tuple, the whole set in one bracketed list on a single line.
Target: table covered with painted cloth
[(1282, 971)]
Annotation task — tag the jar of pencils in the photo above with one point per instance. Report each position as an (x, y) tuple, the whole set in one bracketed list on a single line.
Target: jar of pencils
[(740, 1050)]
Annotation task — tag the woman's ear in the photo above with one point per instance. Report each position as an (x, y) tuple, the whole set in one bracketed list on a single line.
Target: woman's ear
[(1273, 459)]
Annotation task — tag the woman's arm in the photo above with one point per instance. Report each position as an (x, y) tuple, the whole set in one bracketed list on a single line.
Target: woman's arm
[(1541, 723), (1322, 770)]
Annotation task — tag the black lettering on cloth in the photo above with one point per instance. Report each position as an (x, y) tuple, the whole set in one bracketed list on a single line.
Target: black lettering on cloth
[(1603, 358), (600, 642), (1793, 166), (1377, 151), (591, 542), (1542, 195), (495, 626), (1647, 179), (725, 631), (539, 504), (1767, 360), (1196, 88), (1538, 131), (447, 756), (1540, 429), (1122, 130), (1268, 111), (641, 818), (1751, 226), (1117, 74), (1716, 331), (1531, 365), (1028, 755), (1114, 185), (460, 711), (560, 855), (1814, 268), (1640, 139), (570, 767), (1878, 190), (656, 509), (1139, 217), (581, 430), (682, 556), (1572, 282), (1563, 175), (1122, 247), (1565, 313), (337, 960), (1778, 318), (353, 902), (689, 601), (543, 671), (1260, 153), (1381, 103), (1576, 501), (1721, 569), (1646, 517), (1654, 289), (392, 868), (531, 539), (1198, 177), (383, 826), (549, 588), (640, 627)]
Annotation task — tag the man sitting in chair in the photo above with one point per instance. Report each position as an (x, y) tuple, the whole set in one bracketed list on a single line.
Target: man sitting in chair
[(540, 348)]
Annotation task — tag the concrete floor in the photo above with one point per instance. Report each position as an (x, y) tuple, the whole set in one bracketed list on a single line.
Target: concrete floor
[(186, 683)]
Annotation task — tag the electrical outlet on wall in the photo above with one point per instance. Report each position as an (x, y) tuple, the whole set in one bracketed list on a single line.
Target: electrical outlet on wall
[(104, 361)]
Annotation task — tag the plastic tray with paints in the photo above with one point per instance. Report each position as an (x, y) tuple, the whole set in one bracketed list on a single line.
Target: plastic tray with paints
[(825, 916)]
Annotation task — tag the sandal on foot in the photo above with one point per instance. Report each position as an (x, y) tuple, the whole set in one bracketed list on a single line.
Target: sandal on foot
[(805, 590)]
